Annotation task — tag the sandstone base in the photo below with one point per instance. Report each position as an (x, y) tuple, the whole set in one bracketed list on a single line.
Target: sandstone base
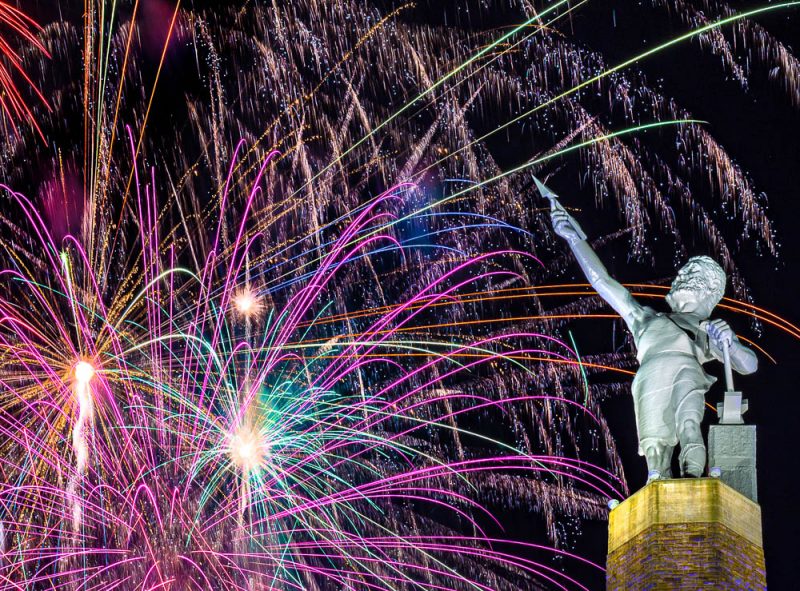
[(687, 534)]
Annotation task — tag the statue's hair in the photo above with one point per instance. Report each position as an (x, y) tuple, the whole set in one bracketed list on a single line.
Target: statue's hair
[(713, 277)]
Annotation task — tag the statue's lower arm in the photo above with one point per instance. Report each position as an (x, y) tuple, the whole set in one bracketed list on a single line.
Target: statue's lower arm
[(595, 271), (743, 359)]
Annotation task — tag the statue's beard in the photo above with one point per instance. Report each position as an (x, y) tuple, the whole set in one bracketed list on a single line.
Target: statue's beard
[(695, 283), (691, 290), (692, 283)]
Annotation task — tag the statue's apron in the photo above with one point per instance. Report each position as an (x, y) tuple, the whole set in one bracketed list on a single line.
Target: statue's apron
[(670, 386)]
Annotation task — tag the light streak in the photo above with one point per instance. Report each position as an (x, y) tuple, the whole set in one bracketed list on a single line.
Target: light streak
[(83, 374)]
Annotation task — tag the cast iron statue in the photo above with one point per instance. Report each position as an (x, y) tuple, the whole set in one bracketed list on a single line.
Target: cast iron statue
[(670, 386)]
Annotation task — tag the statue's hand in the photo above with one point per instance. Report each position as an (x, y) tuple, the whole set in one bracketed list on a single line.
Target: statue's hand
[(565, 226), (719, 333)]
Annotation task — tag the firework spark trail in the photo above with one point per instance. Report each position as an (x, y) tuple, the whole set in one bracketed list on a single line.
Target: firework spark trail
[(690, 35), (84, 372), (12, 103)]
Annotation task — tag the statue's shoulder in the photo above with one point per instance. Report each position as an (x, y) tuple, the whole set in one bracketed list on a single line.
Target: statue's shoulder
[(649, 313), (643, 320)]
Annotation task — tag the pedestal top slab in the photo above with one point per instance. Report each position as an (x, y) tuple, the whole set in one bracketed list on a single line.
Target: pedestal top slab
[(684, 500)]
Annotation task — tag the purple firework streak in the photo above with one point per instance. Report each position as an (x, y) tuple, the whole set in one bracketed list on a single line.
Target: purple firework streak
[(179, 438)]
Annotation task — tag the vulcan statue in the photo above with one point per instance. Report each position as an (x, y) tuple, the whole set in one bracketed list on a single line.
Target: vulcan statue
[(669, 388)]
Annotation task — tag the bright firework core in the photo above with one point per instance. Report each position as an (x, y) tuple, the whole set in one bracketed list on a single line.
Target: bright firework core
[(247, 449), (84, 372), (246, 302)]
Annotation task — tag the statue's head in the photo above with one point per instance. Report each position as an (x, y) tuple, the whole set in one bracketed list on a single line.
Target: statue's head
[(699, 287)]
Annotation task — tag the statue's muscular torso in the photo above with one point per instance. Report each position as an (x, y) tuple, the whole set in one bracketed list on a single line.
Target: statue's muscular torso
[(658, 334), (670, 384)]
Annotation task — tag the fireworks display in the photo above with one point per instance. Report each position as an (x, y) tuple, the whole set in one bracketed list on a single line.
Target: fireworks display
[(282, 315)]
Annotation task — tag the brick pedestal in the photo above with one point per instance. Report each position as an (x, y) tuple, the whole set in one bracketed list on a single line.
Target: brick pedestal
[(686, 534)]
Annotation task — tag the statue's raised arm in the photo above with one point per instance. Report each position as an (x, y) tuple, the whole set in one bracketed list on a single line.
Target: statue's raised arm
[(609, 289)]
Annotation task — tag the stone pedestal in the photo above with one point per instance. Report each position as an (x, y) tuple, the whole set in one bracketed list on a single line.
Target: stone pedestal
[(732, 449), (685, 534)]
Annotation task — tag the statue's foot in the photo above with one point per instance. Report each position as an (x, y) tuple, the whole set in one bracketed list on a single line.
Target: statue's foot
[(653, 475), (693, 470), (693, 460)]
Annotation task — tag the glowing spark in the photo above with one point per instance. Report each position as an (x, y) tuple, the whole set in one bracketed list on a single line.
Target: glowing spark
[(247, 449), (247, 303), (247, 452), (84, 372)]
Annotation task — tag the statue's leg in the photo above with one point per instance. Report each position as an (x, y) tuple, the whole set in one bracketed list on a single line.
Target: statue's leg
[(689, 400), (666, 466), (652, 404), (658, 456), (693, 451)]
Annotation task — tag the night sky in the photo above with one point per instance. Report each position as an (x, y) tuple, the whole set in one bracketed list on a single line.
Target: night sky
[(759, 127)]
